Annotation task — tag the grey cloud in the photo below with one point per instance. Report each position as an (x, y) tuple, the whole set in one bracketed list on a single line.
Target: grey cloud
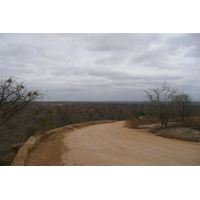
[(154, 57), (75, 66), (17, 50), (17, 70), (111, 74), (48, 53), (111, 42), (114, 59), (17, 56), (187, 44), (123, 42), (183, 40), (140, 49), (193, 52)]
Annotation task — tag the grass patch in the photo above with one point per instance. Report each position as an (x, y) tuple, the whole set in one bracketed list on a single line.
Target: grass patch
[(190, 122), (185, 134), (135, 122), (189, 130), (154, 129)]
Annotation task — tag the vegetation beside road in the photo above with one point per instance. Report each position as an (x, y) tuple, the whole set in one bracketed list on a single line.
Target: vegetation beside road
[(174, 107), (189, 130), (43, 116), (22, 118)]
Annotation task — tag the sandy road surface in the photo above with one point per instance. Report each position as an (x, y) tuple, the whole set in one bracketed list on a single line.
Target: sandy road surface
[(113, 145)]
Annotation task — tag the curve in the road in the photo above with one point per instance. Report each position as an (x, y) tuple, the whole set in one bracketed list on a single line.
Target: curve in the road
[(114, 145)]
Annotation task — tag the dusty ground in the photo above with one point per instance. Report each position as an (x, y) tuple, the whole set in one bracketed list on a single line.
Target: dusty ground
[(48, 152), (113, 145)]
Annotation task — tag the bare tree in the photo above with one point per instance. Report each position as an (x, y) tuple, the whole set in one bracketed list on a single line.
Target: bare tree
[(14, 97), (164, 102), (183, 100)]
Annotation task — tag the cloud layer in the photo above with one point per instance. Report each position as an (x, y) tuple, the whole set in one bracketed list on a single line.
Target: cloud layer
[(102, 67)]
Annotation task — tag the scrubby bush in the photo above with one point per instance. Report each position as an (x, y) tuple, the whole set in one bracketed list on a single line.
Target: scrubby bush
[(168, 103), (191, 122), (136, 122), (154, 129)]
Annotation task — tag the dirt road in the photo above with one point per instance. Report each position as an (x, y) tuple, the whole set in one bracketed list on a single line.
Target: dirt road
[(113, 145)]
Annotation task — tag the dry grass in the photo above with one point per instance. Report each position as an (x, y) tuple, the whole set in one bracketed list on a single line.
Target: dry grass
[(39, 132), (180, 134), (135, 122), (154, 129), (190, 122), (189, 130), (80, 125), (8, 159)]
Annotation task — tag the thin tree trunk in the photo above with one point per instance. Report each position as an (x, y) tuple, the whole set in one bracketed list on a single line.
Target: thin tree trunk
[(183, 113)]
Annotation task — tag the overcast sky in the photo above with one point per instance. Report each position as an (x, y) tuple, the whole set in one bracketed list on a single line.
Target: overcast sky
[(102, 67)]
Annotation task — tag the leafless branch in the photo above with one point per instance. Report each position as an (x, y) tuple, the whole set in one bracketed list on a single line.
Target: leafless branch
[(14, 97)]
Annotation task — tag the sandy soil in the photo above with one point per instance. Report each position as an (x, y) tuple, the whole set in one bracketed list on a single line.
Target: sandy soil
[(113, 145), (48, 151)]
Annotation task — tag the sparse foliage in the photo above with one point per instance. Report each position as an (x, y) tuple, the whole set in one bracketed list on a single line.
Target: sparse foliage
[(167, 102), (183, 100), (14, 97)]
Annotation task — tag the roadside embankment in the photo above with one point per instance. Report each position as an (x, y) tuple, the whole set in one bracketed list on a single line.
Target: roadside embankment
[(22, 155), (20, 158)]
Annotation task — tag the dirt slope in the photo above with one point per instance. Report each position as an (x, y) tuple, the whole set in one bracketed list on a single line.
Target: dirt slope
[(48, 151), (113, 145)]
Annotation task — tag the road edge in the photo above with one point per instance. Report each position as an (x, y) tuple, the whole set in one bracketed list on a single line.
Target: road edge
[(33, 141), (30, 144)]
